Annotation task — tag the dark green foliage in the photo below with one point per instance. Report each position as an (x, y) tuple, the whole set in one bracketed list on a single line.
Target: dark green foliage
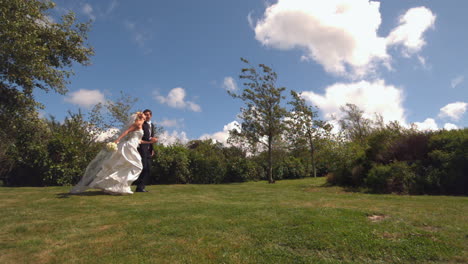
[(448, 161), (58, 155), (396, 177), (242, 169), (70, 150), (289, 168), (35, 53), (207, 162), (397, 160), (346, 162), (203, 162), (171, 164)]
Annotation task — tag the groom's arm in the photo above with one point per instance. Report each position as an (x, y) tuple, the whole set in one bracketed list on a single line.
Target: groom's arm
[(152, 135)]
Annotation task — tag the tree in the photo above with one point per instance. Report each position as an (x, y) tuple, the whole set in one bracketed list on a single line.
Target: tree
[(263, 116), (35, 53), (109, 116), (354, 124), (304, 127)]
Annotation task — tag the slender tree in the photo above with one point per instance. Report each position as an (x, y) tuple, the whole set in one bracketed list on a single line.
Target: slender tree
[(305, 127), (263, 116), (354, 124)]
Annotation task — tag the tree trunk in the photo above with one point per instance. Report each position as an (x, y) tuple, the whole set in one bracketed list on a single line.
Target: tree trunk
[(314, 168), (312, 159), (270, 161)]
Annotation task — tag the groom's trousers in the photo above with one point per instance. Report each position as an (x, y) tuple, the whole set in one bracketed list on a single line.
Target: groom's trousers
[(146, 161)]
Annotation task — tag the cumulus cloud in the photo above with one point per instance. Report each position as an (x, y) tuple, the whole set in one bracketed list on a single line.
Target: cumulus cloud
[(449, 126), (410, 32), (176, 99), (370, 97), (230, 84), (341, 35), (222, 136), (171, 122), (87, 9), (453, 111), (457, 81), (167, 138), (85, 98), (428, 124)]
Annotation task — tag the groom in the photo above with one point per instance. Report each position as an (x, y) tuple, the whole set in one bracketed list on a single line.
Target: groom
[(146, 152)]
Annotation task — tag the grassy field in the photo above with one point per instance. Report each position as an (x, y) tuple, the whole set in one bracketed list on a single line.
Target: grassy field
[(293, 221)]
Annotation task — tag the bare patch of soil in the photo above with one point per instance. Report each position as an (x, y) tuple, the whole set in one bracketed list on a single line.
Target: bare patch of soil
[(376, 218)]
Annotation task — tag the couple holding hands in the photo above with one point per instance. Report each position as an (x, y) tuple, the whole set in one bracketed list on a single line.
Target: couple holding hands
[(114, 171)]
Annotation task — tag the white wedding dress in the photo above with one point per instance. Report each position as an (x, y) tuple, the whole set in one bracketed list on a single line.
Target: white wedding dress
[(114, 171)]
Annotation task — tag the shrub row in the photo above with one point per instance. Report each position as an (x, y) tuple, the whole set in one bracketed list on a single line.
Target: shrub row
[(407, 162)]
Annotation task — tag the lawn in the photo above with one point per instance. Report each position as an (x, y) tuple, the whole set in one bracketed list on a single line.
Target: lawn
[(292, 221)]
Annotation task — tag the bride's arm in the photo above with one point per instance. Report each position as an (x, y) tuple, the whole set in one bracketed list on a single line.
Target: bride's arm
[(130, 129), (152, 140)]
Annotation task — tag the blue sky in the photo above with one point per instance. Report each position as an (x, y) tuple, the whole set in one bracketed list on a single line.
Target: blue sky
[(404, 59)]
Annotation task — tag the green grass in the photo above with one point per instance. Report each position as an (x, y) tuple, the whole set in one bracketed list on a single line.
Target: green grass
[(293, 221)]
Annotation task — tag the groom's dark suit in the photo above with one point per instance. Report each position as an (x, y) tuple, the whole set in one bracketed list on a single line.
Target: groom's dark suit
[(145, 152)]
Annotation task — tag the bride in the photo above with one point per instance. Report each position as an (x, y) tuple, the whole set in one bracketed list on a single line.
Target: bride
[(115, 171)]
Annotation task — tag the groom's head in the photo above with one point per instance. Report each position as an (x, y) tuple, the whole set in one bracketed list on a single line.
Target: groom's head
[(148, 114)]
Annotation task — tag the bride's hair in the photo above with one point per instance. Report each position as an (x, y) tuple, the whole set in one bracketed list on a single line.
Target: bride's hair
[(131, 120), (139, 116)]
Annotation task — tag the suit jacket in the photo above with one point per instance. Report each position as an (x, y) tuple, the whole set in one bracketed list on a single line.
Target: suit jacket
[(148, 132)]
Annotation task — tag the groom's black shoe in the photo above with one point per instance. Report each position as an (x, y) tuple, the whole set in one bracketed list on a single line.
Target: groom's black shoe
[(141, 190)]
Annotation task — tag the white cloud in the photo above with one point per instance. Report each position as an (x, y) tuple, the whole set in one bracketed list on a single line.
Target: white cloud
[(341, 35), (336, 33), (250, 20), (457, 81), (108, 134), (46, 21), (410, 32), (428, 124), (370, 97), (167, 138), (111, 7), (176, 99), (85, 98), (453, 111), (87, 9), (141, 35), (449, 126), (171, 123), (222, 136), (425, 65), (230, 84)]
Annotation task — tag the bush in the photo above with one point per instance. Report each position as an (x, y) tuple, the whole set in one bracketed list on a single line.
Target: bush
[(207, 162), (206, 169), (448, 162), (289, 168), (170, 165), (241, 170), (51, 153), (395, 177), (348, 165)]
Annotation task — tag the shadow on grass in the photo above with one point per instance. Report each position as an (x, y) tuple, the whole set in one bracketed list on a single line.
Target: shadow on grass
[(347, 189), (94, 193)]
